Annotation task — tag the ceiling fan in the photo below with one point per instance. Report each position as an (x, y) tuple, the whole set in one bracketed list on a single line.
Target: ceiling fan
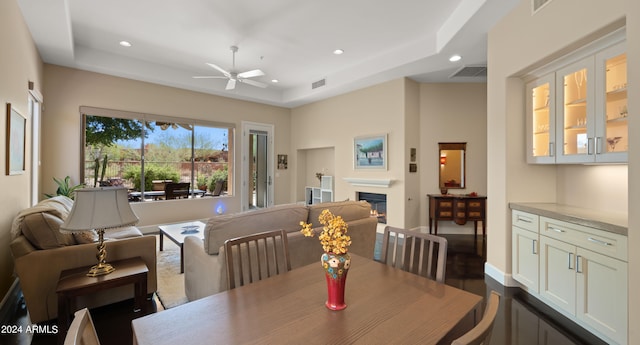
[(234, 76)]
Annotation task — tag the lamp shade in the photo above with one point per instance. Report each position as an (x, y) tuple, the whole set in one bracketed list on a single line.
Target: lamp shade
[(99, 208)]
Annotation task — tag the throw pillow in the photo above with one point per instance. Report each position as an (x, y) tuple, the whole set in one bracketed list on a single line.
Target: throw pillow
[(83, 237)]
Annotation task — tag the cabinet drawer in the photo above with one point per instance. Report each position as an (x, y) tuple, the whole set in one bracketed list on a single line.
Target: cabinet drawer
[(445, 204), (525, 220), (475, 204), (599, 241)]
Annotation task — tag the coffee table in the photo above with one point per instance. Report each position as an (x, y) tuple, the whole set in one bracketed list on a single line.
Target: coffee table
[(177, 232)]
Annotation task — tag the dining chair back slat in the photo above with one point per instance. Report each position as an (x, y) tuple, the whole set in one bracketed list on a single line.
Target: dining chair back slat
[(415, 252), (256, 257), (82, 331)]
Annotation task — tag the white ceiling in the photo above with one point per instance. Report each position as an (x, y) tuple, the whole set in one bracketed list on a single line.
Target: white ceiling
[(290, 40)]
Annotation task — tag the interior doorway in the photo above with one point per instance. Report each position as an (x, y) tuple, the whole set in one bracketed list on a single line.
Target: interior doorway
[(257, 169)]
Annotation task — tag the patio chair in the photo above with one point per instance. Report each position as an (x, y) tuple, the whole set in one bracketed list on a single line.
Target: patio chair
[(176, 190)]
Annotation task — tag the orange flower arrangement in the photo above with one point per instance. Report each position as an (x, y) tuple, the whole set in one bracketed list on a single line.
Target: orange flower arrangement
[(333, 237)]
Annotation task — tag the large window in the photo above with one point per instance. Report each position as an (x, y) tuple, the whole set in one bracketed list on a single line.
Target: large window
[(157, 157)]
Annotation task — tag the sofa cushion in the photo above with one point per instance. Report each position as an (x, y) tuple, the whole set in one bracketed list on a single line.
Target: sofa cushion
[(222, 228), (40, 224), (43, 231), (123, 232), (348, 210)]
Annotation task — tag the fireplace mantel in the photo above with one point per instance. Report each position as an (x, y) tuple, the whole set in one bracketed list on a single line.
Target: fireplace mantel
[(369, 182)]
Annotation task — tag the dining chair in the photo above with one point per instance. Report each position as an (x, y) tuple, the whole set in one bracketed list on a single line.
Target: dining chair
[(81, 331), (255, 257), (481, 333), (415, 252)]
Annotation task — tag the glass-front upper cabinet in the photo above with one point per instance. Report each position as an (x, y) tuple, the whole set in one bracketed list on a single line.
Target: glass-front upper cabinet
[(577, 112), (576, 139), (541, 120), (612, 130)]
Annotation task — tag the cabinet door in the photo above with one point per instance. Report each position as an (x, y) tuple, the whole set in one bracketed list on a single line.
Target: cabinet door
[(525, 257), (557, 274), (602, 294), (612, 129), (541, 120), (574, 113)]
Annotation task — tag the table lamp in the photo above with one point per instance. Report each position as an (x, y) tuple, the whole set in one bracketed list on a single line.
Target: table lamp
[(99, 209)]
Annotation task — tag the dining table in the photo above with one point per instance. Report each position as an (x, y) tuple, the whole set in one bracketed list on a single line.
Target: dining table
[(385, 305)]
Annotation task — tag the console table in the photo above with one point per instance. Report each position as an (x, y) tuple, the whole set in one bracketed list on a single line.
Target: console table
[(74, 282), (458, 208)]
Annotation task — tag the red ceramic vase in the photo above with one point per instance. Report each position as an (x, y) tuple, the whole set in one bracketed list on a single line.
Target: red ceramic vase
[(336, 267)]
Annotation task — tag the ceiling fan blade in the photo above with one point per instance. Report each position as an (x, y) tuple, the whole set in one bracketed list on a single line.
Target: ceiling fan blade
[(209, 77), (251, 74), (231, 84), (254, 83), (226, 74)]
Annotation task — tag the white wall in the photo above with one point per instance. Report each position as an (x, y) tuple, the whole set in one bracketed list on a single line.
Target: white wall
[(67, 89)]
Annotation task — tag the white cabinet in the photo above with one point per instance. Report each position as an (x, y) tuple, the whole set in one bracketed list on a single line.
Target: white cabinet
[(583, 273), (557, 273), (612, 129), (324, 193), (525, 261), (541, 116), (578, 112)]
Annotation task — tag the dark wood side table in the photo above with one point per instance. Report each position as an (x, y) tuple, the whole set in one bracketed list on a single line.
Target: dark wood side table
[(458, 208), (74, 282)]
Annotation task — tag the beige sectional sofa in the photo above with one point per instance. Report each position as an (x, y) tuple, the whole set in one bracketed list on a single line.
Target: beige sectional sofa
[(205, 268), (41, 252)]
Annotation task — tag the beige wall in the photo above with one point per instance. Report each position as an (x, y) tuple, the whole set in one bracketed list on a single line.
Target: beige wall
[(67, 89), (633, 54), (413, 208), (336, 121), (519, 43), (414, 116), (453, 112), (19, 64)]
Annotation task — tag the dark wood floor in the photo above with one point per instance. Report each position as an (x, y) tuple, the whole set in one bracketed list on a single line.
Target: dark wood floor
[(522, 320)]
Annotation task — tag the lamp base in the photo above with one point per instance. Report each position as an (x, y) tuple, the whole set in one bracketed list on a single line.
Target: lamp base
[(100, 269)]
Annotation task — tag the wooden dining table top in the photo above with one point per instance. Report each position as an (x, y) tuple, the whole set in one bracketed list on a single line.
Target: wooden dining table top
[(384, 305)]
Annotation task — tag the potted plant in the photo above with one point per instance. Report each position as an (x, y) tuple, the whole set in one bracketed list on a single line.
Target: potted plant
[(202, 182), (65, 188)]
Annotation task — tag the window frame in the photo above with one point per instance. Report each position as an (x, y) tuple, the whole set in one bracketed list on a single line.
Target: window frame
[(147, 117)]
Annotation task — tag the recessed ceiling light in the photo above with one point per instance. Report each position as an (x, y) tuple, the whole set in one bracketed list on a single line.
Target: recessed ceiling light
[(125, 43), (338, 52), (274, 80), (455, 58)]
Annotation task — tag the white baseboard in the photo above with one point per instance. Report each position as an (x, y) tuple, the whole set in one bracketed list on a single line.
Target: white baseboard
[(499, 276)]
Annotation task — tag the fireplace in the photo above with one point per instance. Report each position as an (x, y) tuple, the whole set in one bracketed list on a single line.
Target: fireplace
[(378, 204)]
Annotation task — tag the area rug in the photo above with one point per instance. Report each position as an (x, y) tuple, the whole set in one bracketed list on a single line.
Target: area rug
[(170, 281)]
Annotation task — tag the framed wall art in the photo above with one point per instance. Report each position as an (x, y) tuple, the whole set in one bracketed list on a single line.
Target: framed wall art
[(370, 152), (16, 136)]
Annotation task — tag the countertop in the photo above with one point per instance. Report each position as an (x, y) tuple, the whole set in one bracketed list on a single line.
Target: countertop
[(602, 220)]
